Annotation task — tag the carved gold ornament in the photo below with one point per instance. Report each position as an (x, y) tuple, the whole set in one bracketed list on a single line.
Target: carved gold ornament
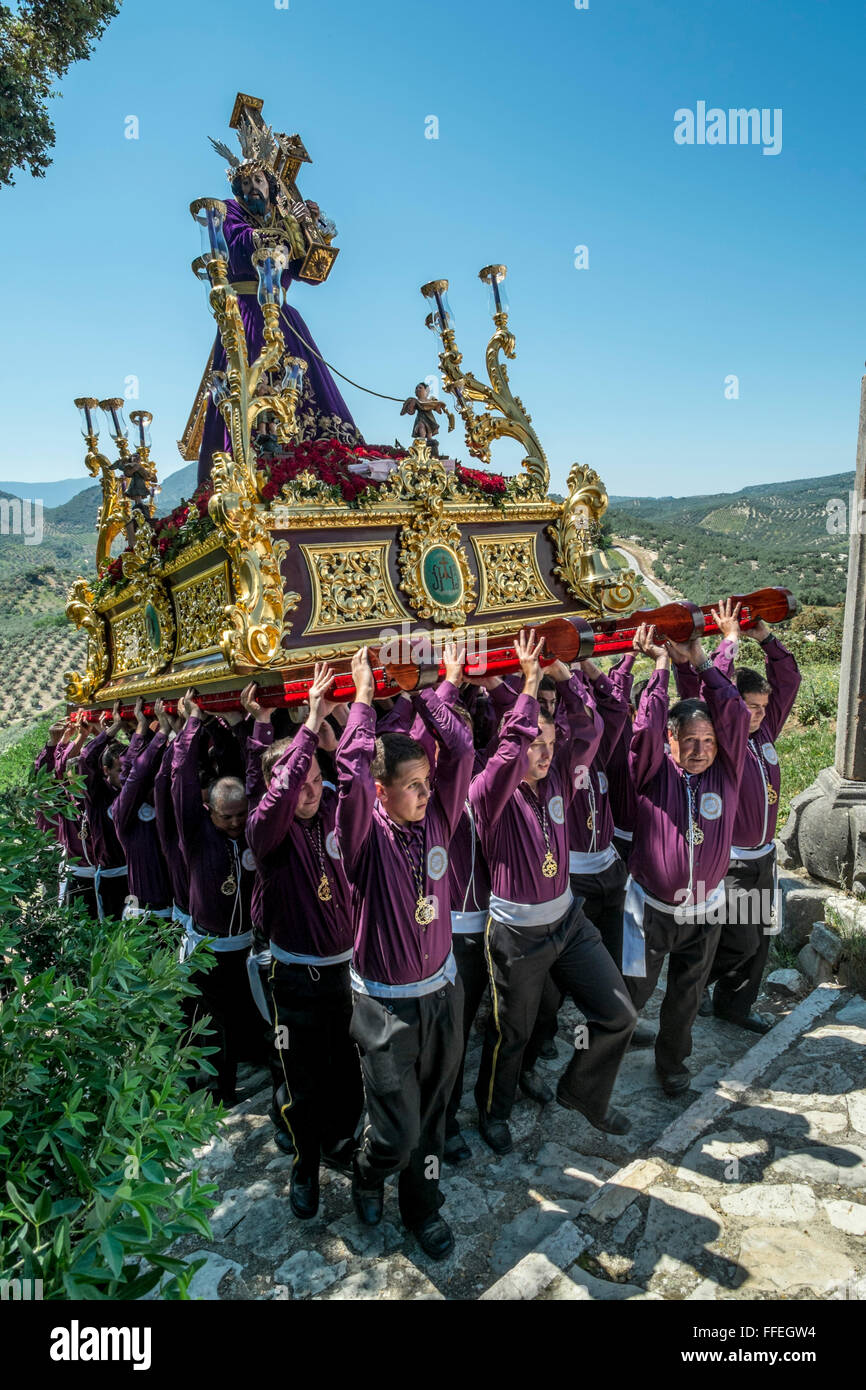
[(508, 573), (351, 587), (581, 564), (129, 645), (257, 612), (200, 604), (434, 569), (81, 611), (156, 632)]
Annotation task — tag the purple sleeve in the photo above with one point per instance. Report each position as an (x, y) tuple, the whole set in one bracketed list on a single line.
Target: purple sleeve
[(783, 673), (185, 788), (356, 789), (137, 784), (454, 765), (134, 748), (730, 718), (260, 738), (89, 764), (688, 681), (64, 752), (494, 787), (585, 729), (398, 719), (723, 657), (649, 731), (165, 823), (612, 706), (271, 820), (621, 676), (46, 758)]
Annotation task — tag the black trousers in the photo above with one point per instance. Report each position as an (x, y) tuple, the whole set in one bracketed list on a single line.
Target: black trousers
[(410, 1051), (113, 893), (80, 889), (690, 948), (745, 937), (468, 948), (318, 1092), (603, 901), (241, 1032), (623, 848), (519, 961)]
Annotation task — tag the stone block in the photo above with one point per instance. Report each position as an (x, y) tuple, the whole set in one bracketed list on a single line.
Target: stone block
[(814, 966), (621, 1190), (826, 944), (850, 913), (802, 907), (785, 982)]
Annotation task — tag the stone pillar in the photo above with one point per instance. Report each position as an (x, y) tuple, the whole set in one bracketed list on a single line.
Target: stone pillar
[(826, 831)]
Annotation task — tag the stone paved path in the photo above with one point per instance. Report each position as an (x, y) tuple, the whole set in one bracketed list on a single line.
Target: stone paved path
[(742, 1189)]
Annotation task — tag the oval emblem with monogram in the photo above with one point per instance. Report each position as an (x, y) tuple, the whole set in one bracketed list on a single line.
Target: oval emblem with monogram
[(146, 811), (437, 862), (248, 859), (556, 810), (602, 783), (711, 806), (770, 754), (331, 845)]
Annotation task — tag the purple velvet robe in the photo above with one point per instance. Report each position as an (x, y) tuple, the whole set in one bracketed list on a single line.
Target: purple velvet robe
[(99, 799), (621, 793), (390, 946), (322, 414), (135, 823), (508, 826), (287, 855), (468, 874), (45, 761), (68, 834), (166, 829), (212, 858), (755, 823), (659, 860), (591, 802)]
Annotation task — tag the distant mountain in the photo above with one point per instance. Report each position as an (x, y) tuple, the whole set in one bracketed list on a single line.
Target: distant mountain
[(51, 494), (733, 542)]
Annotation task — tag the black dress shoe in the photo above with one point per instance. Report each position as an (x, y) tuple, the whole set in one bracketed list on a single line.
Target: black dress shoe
[(282, 1141), (495, 1133), (705, 1008), (612, 1122), (456, 1149), (304, 1196), (674, 1083), (643, 1036), (435, 1238), (548, 1050), (369, 1202), (532, 1085), (755, 1023)]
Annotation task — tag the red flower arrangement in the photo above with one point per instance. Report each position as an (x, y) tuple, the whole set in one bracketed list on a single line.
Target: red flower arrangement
[(328, 460), (492, 484)]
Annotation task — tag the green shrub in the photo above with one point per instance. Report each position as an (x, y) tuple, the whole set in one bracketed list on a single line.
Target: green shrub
[(96, 1121), (818, 697)]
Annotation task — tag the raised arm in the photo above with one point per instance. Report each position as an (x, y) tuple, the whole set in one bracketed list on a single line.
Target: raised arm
[(356, 790), (189, 811), (730, 717), (784, 676), (138, 784), (271, 818), (575, 752), (492, 788), (454, 765), (649, 731), (611, 706)]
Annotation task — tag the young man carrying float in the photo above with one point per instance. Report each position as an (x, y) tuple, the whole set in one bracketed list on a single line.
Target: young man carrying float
[(535, 928), (749, 917), (318, 1093), (394, 833), (686, 804)]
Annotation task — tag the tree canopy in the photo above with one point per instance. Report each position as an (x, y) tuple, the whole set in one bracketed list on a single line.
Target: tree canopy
[(39, 41)]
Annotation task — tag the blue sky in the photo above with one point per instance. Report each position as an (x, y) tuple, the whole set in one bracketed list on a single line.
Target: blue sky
[(555, 130)]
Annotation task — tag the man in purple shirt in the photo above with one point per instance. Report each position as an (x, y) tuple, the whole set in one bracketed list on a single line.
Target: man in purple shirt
[(100, 764), (686, 804), (749, 918), (535, 928), (221, 870), (134, 819), (318, 1092), (394, 834)]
